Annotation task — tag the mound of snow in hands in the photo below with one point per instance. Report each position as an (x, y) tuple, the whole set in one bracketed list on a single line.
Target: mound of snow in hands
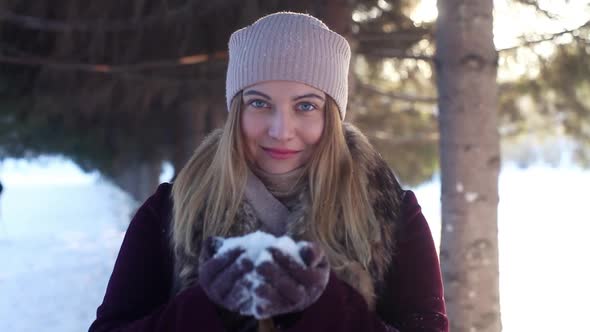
[(256, 249)]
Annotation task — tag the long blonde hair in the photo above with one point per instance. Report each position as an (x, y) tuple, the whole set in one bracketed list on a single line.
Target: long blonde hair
[(209, 189)]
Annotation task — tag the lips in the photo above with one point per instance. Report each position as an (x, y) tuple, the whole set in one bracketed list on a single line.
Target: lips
[(277, 153)]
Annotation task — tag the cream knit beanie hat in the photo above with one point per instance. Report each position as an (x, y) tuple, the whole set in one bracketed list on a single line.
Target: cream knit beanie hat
[(293, 47)]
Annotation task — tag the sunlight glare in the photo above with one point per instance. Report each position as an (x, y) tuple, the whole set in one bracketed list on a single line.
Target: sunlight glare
[(426, 11), (514, 20)]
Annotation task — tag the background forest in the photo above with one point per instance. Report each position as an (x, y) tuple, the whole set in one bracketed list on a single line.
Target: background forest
[(121, 86), (125, 90)]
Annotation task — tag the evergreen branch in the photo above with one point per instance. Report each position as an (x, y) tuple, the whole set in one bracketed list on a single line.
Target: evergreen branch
[(107, 68), (43, 24)]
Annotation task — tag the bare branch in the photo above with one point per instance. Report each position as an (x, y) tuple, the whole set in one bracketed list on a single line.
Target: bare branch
[(402, 140), (535, 4), (399, 96), (407, 35), (394, 53), (547, 38)]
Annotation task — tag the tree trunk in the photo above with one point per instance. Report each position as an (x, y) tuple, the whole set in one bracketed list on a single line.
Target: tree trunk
[(197, 118), (138, 179), (188, 131), (466, 62)]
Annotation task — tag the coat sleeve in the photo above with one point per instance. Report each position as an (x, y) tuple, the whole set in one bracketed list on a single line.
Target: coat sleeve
[(138, 293), (412, 300)]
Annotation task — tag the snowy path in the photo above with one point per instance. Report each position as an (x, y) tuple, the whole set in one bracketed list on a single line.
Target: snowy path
[(58, 245)]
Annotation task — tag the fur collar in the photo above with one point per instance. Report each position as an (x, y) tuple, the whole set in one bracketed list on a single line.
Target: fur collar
[(385, 195)]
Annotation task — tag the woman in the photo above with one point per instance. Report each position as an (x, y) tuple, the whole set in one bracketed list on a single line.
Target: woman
[(286, 164)]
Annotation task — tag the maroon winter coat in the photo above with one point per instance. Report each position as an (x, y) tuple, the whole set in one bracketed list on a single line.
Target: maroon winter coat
[(139, 294)]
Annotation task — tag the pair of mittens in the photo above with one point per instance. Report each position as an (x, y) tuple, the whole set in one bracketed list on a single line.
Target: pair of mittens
[(262, 276)]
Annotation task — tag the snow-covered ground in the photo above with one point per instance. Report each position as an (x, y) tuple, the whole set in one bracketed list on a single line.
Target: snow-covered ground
[(58, 244), (543, 225), (60, 232)]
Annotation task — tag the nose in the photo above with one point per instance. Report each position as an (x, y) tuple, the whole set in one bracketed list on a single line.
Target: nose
[(281, 125)]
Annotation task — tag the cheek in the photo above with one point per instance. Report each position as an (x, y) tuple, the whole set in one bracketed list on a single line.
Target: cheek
[(252, 130), (313, 132), (250, 127)]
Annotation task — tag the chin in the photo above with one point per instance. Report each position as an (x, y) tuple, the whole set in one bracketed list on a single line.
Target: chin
[(276, 169), (279, 171)]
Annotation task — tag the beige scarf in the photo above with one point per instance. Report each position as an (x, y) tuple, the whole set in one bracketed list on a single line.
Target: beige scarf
[(274, 196)]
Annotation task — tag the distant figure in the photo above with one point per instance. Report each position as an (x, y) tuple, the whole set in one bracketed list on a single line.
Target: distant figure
[(358, 254)]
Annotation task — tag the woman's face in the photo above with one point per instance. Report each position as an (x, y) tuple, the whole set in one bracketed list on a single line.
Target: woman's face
[(282, 122)]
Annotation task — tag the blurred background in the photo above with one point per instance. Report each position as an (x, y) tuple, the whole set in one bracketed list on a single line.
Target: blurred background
[(101, 101)]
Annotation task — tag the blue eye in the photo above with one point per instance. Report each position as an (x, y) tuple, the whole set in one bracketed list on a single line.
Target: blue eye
[(257, 103), (306, 107)]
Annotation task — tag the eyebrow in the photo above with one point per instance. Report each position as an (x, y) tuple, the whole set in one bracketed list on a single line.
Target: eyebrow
[(258, 93), (309, 95)]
